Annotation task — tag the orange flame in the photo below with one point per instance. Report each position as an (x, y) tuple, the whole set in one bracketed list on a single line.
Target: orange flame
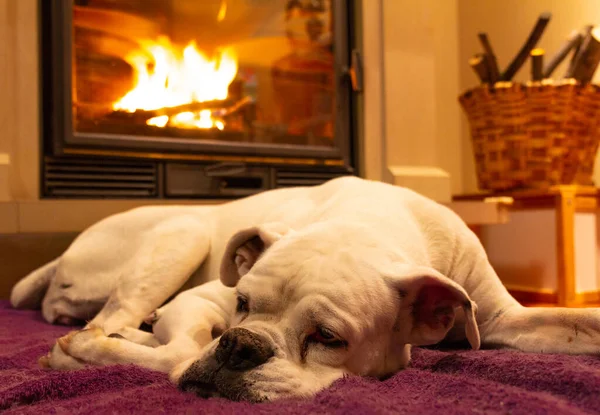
[(167, 80)]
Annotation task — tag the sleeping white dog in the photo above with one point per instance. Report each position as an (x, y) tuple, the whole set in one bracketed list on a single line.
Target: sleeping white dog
[(315, 283)]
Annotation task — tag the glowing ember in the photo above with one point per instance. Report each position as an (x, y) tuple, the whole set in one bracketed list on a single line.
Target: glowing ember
[(170, 80), (202, 119), (159, 121)]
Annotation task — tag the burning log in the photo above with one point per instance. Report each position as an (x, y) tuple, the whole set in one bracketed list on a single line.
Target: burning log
[(572, 42), (586, 31), (588, 57), (141, 116), (220, 109), (479, 63), (490, 57), (237, 107), (537, 63), (245, 108), (531, 42), (191, 107)]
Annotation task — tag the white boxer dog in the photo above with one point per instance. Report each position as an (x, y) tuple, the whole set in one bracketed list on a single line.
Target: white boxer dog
[(315, 283)]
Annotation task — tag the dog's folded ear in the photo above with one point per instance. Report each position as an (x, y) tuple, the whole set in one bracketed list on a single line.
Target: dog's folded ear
[(245, 247), (432, 300)]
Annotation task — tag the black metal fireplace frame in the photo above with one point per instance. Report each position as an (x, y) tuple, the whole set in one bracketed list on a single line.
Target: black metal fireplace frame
[(60, 138)]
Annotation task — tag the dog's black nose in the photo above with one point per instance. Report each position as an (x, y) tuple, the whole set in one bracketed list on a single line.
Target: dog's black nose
[(240, 349)]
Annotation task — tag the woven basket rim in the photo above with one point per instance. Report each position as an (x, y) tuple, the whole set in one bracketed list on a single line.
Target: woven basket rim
[(525, 86)]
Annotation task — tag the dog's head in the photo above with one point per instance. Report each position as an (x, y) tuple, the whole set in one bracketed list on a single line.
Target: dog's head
[(63, 299), (317, 304)]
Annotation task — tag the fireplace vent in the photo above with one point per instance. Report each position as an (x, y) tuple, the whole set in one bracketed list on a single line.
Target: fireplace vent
[(83, 177), (306, 177)]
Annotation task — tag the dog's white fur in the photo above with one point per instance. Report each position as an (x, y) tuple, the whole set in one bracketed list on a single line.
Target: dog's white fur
[(339, 279)]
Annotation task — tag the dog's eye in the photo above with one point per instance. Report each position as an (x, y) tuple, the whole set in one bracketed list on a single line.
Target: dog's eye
[(242, 304), (325, 336)]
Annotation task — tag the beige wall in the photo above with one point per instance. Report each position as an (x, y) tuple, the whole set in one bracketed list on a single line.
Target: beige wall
[(422, 120), (448, 112), (508, 23), (410, 60), (19, 136), (6, 110)]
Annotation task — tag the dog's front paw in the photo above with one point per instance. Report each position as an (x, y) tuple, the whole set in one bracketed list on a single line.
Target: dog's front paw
[(81, 344), (57, 359), (78, 349)]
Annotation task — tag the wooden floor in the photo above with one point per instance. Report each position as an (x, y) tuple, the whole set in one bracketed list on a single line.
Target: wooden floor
[(22, 253)]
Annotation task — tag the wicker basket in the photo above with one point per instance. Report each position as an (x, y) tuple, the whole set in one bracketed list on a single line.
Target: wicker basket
[(533, 136)]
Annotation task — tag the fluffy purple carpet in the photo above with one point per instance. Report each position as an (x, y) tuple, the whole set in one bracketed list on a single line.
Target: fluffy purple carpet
[(438, 382)]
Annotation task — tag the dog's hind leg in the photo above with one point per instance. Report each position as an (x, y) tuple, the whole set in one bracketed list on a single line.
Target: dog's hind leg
[(546, 330), (170, 253), (503, 322)]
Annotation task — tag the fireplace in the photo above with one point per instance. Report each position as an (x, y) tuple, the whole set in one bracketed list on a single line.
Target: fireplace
[(187, 98)]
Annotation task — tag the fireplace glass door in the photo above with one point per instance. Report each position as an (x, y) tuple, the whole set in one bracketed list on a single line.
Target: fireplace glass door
[(261, 76)]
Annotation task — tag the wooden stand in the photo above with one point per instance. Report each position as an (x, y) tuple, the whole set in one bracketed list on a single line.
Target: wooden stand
[(566, 201)]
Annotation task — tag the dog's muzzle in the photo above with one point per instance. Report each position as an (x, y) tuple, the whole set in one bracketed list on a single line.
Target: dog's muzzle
[(239, 350)]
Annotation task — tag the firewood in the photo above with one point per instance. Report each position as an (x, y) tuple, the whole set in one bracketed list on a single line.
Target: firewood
[(191, 107), (589, 57), (537, 63), (490, 57), (570, 43), (237, 107), (586, 31), (223, 108), (479, 63), (531, 42)]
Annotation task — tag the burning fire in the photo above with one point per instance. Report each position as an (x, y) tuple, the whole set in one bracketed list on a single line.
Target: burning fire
[(166, 79)]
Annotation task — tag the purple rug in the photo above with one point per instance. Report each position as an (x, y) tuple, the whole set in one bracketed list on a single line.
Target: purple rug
[(439, 382)]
